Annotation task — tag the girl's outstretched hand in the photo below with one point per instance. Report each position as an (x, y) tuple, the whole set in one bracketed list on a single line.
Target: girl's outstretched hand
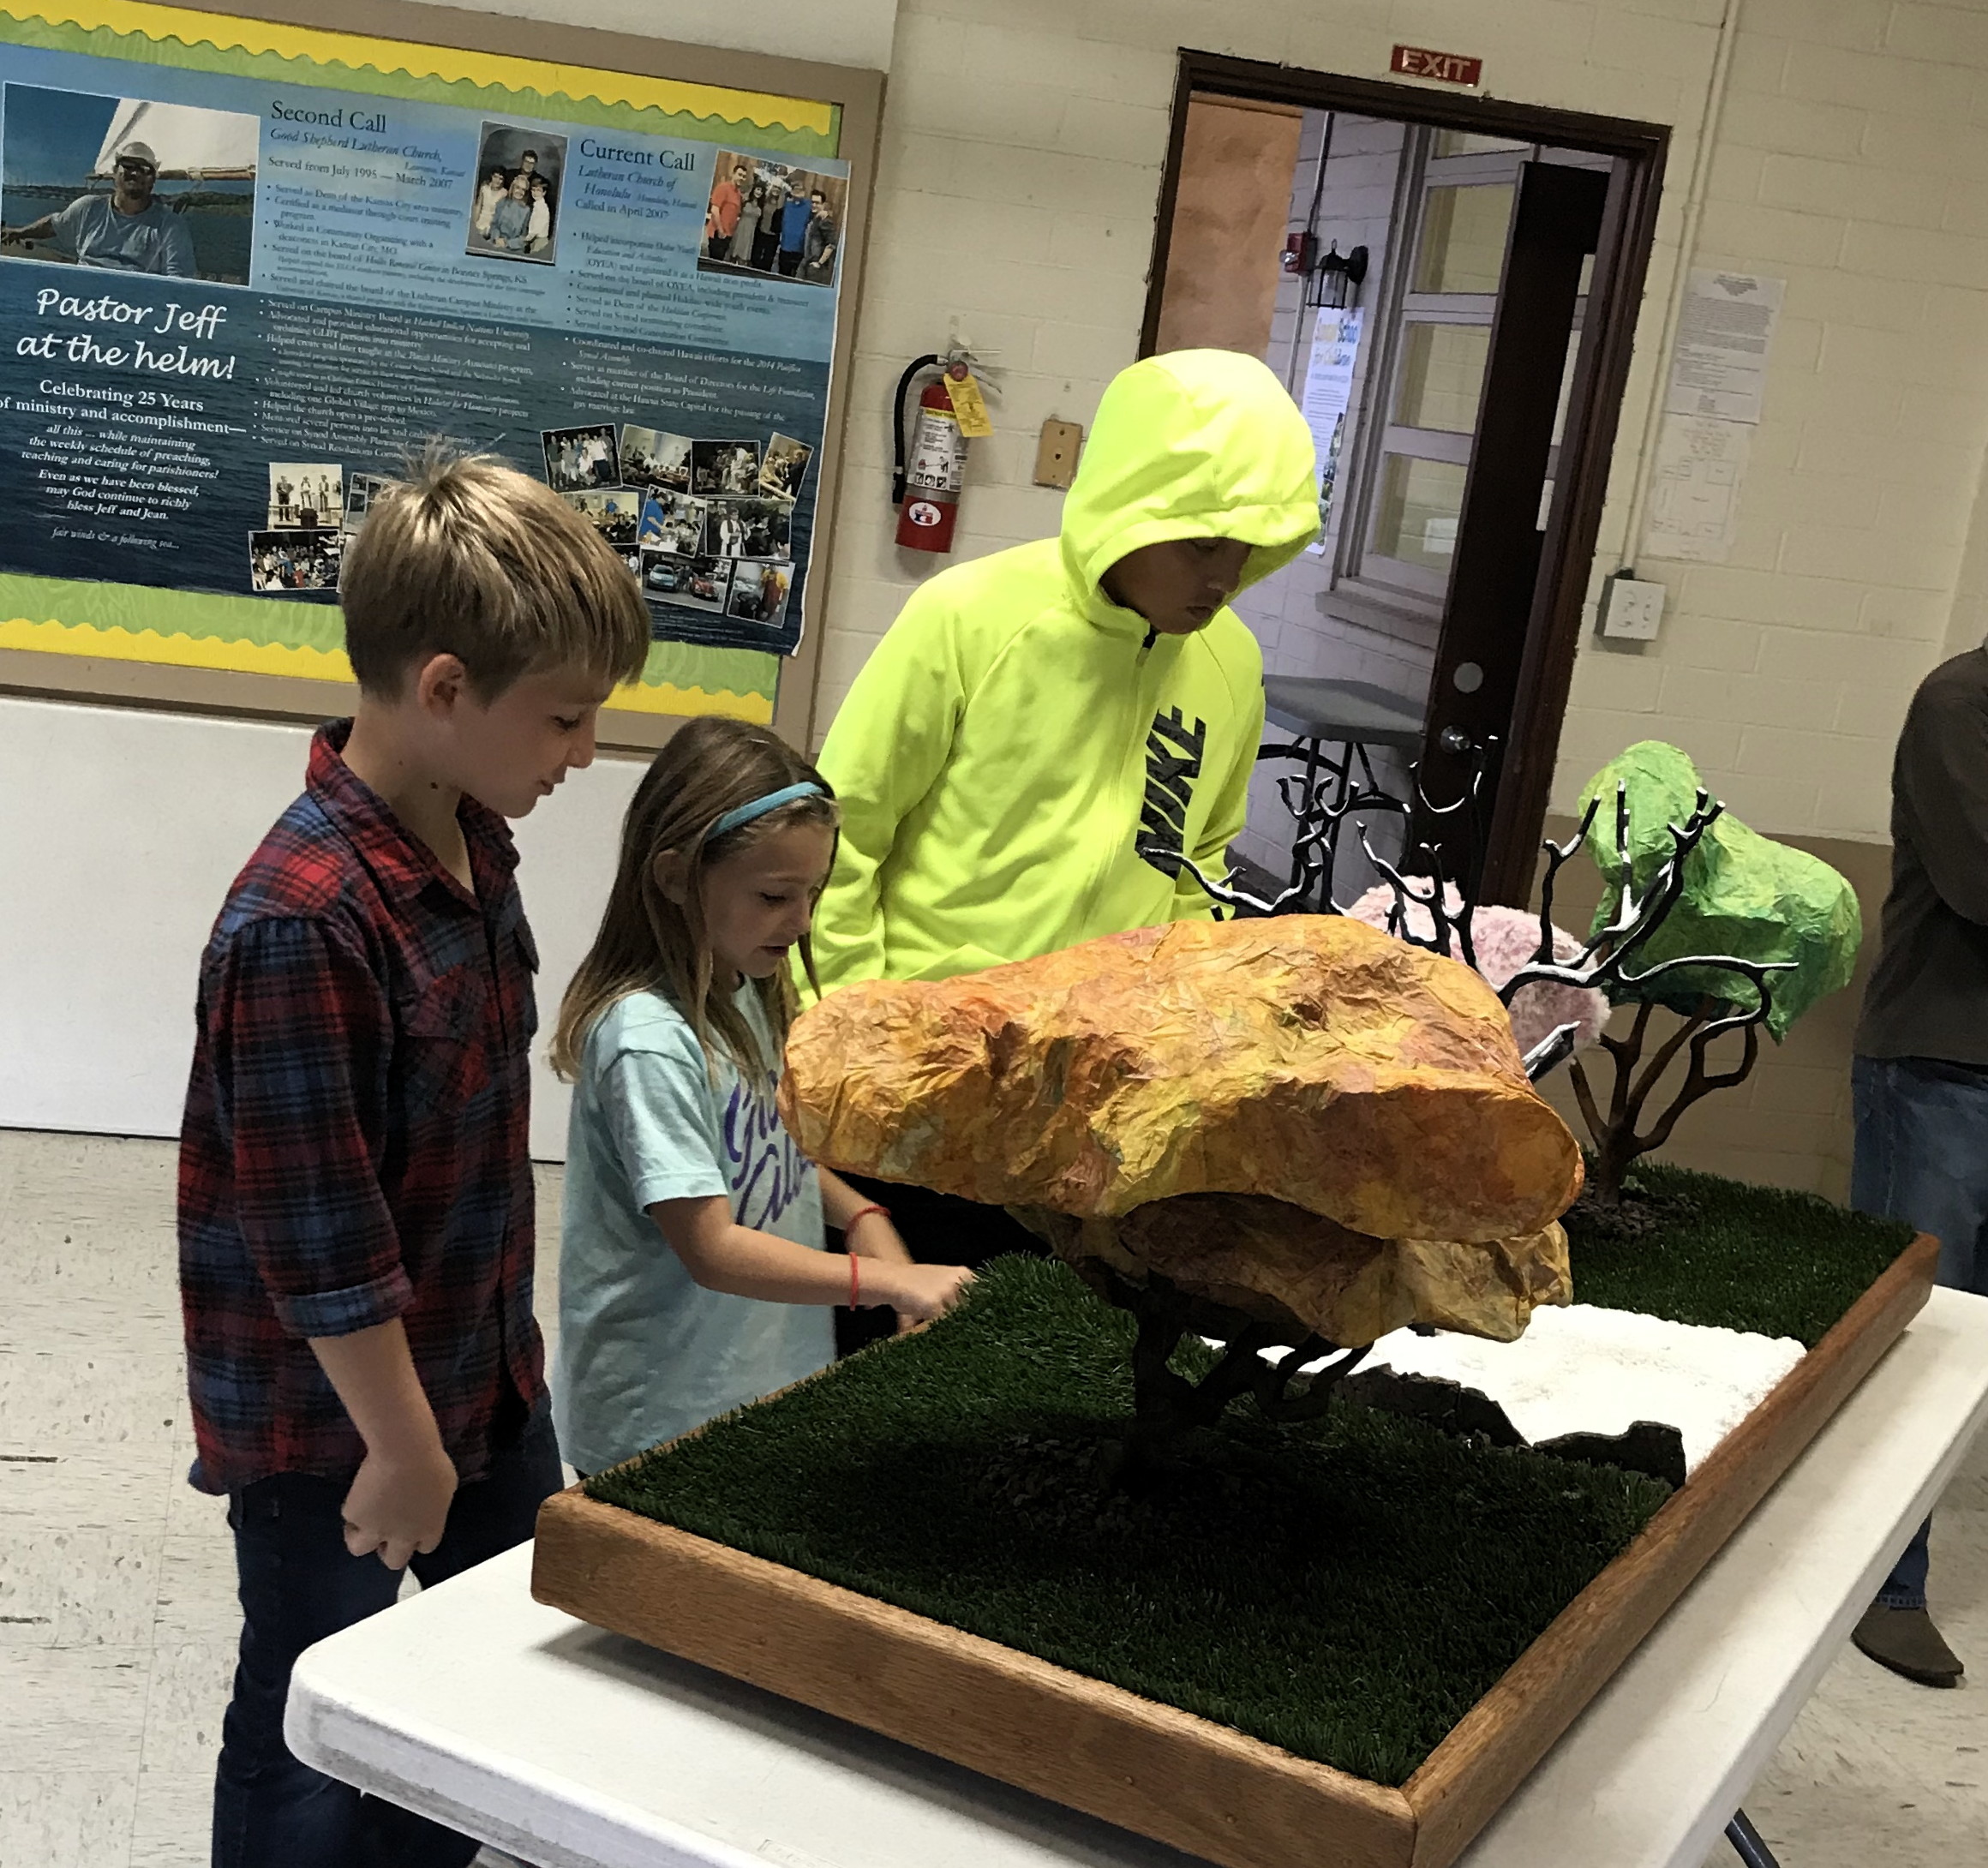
[(917, 1293)]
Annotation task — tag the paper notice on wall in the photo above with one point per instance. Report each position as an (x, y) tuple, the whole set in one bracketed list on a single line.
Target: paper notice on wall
[(1719, 365), (1328, 395), (1694, 494)]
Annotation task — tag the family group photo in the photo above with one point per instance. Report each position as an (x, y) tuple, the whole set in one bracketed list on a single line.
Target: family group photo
[(514, 213), (613, 514), (774, 218)]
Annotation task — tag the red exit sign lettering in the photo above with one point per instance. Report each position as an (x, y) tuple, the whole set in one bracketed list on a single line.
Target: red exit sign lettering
[(1448, 67)]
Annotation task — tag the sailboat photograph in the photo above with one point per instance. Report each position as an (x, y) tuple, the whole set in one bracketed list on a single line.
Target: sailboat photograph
[(128, 184)]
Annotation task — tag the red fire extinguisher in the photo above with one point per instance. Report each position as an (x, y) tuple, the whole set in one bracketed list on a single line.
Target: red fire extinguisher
[(925, 486)]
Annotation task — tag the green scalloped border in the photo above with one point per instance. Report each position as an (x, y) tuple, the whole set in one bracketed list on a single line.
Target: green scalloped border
[(455, 93), (274, 622)]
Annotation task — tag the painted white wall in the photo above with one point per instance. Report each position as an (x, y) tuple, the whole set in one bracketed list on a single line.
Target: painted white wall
[(120, 834)]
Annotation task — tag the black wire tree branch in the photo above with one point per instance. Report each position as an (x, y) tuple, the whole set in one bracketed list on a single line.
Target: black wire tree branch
[(1435, 910), (1741, 1004)]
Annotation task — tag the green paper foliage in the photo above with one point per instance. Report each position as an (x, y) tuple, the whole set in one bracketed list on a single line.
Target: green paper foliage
[(1744, 895)]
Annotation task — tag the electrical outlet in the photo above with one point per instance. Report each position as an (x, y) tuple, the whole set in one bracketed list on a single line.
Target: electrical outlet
[(1631, 609), (1056, 459)]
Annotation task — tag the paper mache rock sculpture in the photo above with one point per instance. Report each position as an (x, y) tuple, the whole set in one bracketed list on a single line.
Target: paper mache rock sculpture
[(1304, 1275), (1504, 940), (1298, 1120)]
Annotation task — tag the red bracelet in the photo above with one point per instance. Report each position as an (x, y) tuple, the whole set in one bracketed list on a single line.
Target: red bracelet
[(855, 1276)]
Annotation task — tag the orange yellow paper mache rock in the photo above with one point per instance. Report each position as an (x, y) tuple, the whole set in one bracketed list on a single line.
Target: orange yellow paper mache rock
[(1298, 1117)]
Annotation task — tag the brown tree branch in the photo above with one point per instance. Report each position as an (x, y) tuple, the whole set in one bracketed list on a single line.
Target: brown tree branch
[(1584, 1096), (1661, 1063), (1697, 1084)]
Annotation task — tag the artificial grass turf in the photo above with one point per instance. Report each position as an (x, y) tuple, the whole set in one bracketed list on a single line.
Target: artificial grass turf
[(1346, 1589), (1730, 1255), (1349, 1599)]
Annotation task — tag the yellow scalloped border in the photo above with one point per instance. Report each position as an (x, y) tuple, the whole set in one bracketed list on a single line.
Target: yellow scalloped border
[(328, 665), (227, 32)]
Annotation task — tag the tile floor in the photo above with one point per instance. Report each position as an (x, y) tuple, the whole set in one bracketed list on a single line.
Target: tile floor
[(116, 1611)]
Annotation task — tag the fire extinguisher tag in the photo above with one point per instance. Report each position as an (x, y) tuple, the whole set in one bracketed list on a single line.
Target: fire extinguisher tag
[(969, 406)]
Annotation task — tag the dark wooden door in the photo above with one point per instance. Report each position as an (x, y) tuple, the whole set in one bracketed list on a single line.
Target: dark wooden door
[(1556, 224)]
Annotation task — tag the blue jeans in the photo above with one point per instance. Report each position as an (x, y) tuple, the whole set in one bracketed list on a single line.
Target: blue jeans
[(1922, 1156), (300, 1584)]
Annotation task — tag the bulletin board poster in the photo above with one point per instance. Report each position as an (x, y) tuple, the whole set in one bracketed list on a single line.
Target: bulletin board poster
[(247, 268)]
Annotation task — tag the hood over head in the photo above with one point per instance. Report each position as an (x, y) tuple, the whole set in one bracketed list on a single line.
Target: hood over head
[(1193, 444)]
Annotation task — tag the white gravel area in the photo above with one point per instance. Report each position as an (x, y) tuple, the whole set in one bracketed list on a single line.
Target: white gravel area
[(1582, 1369)]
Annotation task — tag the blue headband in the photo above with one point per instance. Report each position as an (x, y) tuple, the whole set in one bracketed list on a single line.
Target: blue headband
[(759, 807)]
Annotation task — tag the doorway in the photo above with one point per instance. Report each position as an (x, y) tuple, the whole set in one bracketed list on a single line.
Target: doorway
[(1449, 287)]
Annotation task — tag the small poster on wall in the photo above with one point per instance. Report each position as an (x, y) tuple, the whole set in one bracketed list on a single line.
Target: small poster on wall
[(1694, 490), (1328, 396), (1718, 367)]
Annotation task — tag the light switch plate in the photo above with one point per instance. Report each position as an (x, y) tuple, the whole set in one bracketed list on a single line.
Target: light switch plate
[(1631, 609), (1056, 456)]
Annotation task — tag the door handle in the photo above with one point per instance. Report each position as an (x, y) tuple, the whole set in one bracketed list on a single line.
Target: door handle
[(1456, 740)]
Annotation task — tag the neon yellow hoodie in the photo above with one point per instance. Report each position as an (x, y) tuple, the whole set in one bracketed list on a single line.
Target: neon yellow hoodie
[(1017, 734)]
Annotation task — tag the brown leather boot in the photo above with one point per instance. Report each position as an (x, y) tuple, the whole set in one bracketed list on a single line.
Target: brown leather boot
[(1906, 1640)]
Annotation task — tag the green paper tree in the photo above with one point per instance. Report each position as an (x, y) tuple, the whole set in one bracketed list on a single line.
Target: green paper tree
[(1789, 919)]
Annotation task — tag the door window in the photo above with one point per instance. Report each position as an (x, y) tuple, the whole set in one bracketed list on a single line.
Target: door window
[(1462, 248), (1403, 483), (1436, 340), (1415, 519)]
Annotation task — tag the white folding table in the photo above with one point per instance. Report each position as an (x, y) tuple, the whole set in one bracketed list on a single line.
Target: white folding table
[(573, 1748)]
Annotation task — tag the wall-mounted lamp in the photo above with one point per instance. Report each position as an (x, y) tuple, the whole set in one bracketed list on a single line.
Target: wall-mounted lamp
[(1339, 275)]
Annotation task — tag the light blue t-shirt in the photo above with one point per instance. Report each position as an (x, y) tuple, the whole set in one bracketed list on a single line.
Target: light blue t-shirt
[(646, 1352), (156, 241)]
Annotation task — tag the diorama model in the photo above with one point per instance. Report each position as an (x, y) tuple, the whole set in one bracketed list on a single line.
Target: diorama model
[(1274, 1144)]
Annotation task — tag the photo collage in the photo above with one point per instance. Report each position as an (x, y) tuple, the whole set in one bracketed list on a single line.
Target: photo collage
[(302, 542), (705, 524), (315, 509)]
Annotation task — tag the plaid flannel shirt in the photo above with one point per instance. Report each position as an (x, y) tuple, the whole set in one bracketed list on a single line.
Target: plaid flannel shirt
[(355, 1144)]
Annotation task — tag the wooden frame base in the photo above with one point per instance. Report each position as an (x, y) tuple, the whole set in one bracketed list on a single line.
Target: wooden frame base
[(1153, 1769)]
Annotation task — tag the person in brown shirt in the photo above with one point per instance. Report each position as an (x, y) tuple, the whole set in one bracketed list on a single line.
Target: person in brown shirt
[(1920, 1073)]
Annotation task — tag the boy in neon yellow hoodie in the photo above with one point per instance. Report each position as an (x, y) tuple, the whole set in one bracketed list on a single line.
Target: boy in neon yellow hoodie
[(1040, 731)]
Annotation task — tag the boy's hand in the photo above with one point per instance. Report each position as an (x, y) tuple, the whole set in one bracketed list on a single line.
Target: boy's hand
[(921, 1292), (398, 1506), (399, 1503)]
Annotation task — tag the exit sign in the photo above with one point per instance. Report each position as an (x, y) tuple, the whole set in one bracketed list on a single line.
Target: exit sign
[(1448, 67)]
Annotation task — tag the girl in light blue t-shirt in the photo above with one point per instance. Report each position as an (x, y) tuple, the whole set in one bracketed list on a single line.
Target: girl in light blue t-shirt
[(692, 1273)]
